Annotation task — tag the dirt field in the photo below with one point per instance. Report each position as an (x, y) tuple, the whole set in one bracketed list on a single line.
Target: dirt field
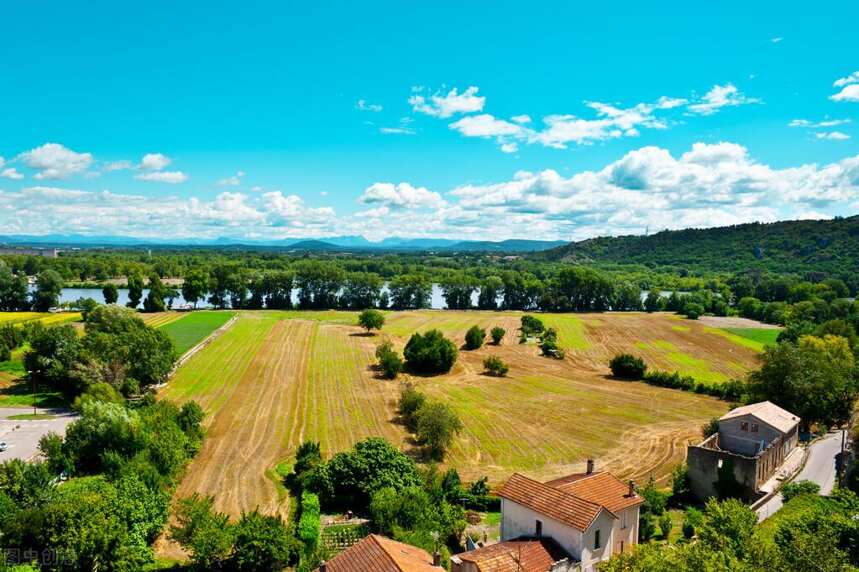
[(277, 378)]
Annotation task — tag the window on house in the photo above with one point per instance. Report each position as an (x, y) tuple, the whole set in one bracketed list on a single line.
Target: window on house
[(754, 427), (538, 528), (597, 544), (744, 425), (623, 519)]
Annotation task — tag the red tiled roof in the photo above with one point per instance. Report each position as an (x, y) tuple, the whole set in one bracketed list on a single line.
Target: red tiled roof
[(601, 488), (550, 501), (379, 554), (516, 556)]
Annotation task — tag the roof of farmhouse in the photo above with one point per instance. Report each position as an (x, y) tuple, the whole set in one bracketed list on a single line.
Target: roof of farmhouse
[(575, 500), (377, 553), (768, 412)]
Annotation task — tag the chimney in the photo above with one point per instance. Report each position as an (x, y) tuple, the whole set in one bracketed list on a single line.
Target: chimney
[(590, 467), (631, 488), (436, 558), (323, 567)]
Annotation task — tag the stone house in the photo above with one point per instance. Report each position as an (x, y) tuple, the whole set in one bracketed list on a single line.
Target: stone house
[(755, 439), (567, 524)]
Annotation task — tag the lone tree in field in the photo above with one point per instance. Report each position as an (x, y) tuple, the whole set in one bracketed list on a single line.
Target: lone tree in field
[(495, 367), (430, 353), (474, 338), (627, 366), (497, 334), (390, 363), (437, 427), (371, 320)]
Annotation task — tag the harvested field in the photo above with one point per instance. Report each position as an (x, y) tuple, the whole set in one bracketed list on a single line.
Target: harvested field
[(158, 319), (47, 318), (275, 379)]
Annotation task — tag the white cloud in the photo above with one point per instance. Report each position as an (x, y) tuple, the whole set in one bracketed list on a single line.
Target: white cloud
[(818, 124), (154, 162), (171, 177), (776, 40), (396, 131), (362, 105), (485, 125), (443, 106), (521, 119), (11, 173), (54, 161), (232, 181), (117, 166), (849, 93), (847, 80), (402, 195), (832, 135), (2, 161), (720, 96)]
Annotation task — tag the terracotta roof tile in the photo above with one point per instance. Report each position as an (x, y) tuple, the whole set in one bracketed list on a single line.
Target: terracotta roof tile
[(600, 488), (516, 556), (550, 501), (379, 554)]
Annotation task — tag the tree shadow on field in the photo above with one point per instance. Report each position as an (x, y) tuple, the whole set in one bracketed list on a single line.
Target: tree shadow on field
[(363, 334)]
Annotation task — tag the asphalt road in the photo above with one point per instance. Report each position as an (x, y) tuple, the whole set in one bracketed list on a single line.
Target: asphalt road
[(22, 436), (820, 468)]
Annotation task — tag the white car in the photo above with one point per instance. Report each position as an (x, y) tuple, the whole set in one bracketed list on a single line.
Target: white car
[(3, 446)]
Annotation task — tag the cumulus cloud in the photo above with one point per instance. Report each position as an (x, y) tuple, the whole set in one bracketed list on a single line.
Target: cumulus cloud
[(363, 105), (154, 162), (402, 195), (718, 97), (847, 80), (849, 93), (446, 105), (171, 177), (10, 173), (117, 166), (55, 161), (817, 124)]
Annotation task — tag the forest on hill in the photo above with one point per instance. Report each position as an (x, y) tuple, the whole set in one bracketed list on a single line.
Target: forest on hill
[(799, 246)]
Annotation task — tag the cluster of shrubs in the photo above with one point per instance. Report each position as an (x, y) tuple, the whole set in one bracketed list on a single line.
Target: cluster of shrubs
[(434, 424), (630, 367)]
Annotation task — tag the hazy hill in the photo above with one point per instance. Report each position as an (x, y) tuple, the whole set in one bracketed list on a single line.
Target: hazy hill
[(790, 246)]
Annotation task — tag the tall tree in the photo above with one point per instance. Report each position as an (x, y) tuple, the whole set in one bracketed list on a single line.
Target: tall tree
[(195, 286), (49, 285)]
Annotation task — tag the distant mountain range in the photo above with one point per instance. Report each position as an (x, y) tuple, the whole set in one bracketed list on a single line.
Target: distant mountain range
[(331, 244), (830, 246)]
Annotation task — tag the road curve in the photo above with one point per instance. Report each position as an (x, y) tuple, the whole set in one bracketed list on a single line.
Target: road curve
[(819, 468)]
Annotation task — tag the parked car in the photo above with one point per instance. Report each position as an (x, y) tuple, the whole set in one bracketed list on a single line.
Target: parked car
[(3, 446)]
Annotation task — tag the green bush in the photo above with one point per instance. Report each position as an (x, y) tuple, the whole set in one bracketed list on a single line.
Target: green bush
[(411, 400), (437, 425), (665, 524), (474, 337), (5, 352), (430, 353), (627, 366), (792, 490), (390, 363), (494, 366), (693, 311), (497, 334), (309, 524), (531, 326)]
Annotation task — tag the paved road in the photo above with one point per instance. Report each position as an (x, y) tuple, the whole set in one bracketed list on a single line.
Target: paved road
[(22, 436), (820, 468)]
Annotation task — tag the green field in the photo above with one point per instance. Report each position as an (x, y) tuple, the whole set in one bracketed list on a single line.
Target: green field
[(192, 328), (753, 338)]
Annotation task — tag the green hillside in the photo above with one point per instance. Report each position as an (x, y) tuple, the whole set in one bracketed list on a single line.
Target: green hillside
[(790, 246)]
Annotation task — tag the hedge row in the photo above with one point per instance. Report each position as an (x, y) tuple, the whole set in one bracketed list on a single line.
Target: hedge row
[(731, 390)]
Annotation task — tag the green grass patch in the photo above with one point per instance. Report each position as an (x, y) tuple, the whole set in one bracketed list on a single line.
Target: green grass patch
[(793, 509), (571, 330), (684, 363), (753, 338), (20, 394), (30, 417), (192, 329), (681, 328)]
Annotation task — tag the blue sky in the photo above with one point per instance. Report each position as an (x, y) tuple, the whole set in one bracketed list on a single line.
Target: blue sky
[(484, 120)]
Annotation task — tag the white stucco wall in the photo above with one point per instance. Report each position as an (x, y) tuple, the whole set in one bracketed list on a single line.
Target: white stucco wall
[(517, 520), (628, 535), (590, 556)]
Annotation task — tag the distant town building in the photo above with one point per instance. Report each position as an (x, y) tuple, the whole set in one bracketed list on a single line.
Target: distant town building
[(15, 251), (567, 524), (755, 439), (380, 554)]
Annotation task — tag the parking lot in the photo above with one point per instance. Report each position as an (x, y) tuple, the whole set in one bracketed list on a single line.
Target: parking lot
[(22, 435)]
